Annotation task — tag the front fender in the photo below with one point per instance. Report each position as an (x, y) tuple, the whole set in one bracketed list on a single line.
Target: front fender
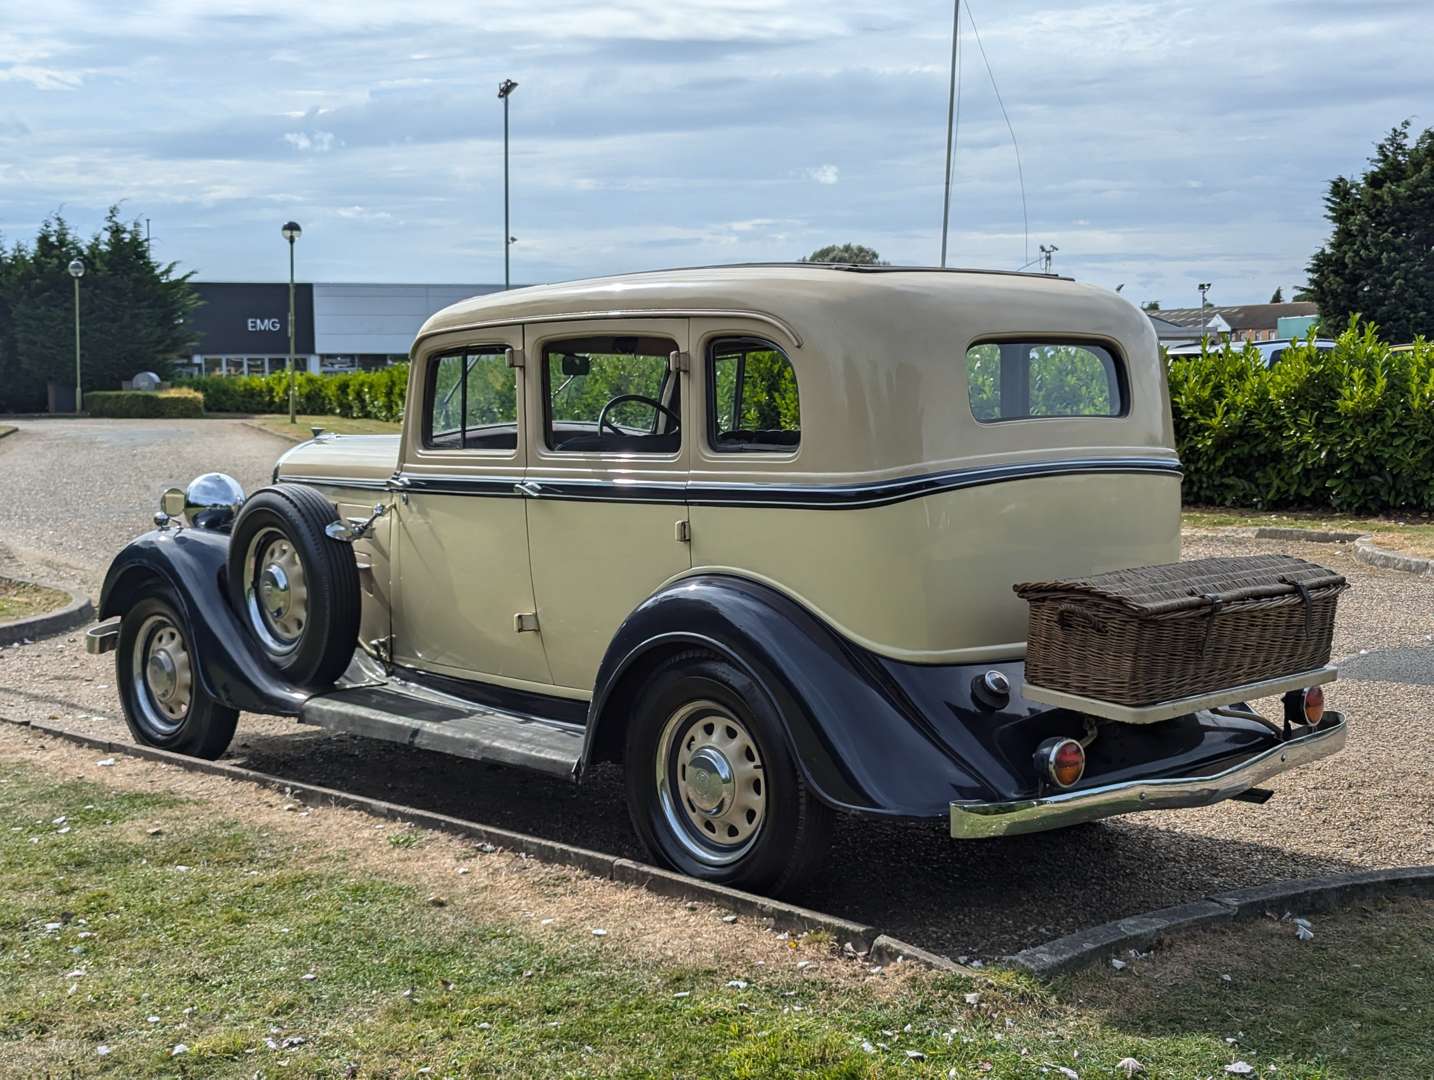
[(861, 744), (191, 564)]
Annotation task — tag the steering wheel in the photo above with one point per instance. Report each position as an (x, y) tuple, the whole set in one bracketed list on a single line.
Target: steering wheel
[(603, 421)]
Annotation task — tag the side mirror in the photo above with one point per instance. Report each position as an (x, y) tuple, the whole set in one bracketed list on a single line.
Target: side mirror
[(171, 502), (576, 365)]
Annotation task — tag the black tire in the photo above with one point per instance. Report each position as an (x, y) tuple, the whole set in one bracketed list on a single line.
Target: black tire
[(696, 703), (186, 719), (311, 650)]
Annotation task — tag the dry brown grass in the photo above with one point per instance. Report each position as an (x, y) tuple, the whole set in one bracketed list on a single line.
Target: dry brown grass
[(499, 887), (21, 600)]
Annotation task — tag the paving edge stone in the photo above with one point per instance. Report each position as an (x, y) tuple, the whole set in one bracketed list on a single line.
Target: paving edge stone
[(864, 939), (1066, 954), (74, 614), (1309, 536), (1367, 552)]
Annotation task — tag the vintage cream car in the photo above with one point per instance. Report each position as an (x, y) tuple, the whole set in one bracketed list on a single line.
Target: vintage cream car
[(750, 532)]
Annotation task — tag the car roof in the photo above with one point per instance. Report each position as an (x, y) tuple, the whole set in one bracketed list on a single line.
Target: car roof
[(791, 293)]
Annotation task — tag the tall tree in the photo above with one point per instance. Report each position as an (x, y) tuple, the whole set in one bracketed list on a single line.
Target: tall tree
[(1379, 261), (854, 254), (1279, 296), (132, 311)]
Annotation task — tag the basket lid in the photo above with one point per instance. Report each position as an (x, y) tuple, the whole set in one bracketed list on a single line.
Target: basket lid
[(1159, 590)]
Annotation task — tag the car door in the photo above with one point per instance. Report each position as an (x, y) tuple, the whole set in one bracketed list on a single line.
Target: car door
[(464, 589), (606, 479)]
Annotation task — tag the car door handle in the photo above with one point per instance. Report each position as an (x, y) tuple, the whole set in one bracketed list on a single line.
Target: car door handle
[(529, 488)]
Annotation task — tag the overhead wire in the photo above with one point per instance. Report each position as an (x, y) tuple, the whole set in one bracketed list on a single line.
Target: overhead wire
[(1015, 145)]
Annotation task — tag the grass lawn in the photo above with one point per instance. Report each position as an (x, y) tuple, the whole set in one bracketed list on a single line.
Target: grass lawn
[(299, 432), (20, 600), (137, 920), (1413, 535), (6, 429)]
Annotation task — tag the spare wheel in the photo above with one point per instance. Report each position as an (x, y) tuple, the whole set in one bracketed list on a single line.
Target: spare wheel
[(296, 590)]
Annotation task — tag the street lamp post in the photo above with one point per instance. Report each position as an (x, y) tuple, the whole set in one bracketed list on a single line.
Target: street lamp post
[(77, 271), (291, 233), (505, 90), (1204, 288)]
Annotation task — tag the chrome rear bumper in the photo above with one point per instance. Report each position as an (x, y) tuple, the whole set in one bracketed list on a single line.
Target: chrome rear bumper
[(102, 638), (973, 821)]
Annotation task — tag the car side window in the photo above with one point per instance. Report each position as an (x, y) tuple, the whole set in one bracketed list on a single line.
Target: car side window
[(611, 394), (752, 400), (472, 401), (1021, 380)]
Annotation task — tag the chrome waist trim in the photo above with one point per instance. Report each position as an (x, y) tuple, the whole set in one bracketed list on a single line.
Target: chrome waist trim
[(974, 821), (102, 638)]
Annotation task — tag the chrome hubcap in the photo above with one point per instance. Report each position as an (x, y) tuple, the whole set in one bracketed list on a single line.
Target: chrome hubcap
[(276, 592), (162, 676), (711, 783)]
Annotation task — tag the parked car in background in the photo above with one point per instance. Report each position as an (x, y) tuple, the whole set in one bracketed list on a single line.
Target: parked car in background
[(752, 533), (1270, 351)]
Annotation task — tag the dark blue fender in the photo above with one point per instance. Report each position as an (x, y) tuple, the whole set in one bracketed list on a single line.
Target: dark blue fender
[(878, 736), (191, 562)]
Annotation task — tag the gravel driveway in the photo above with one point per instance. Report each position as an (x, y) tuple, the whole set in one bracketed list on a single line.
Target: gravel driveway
[(1371, 806)]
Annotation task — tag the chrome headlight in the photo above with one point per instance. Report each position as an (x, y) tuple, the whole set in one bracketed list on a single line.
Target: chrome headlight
[(210, 501)]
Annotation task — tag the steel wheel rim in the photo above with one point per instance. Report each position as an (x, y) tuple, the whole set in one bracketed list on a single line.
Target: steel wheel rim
[(276, 593), (711, 784), (162, 676)]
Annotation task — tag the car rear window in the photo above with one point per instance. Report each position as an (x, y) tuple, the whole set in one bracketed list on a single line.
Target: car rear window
[(1026, 380)]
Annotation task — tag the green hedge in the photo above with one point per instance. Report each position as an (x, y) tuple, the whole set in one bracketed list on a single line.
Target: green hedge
[(366, 395), (1351, 429), (150, 404)]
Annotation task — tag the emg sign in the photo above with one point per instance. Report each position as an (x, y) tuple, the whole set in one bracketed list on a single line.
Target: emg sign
[(243, 319)]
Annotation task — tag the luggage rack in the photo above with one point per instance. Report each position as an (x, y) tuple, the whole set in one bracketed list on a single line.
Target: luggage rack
[(1165, 710)]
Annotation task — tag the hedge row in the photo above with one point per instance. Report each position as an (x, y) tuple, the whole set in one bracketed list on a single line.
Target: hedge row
[(1351, 429), (148, 404), (367, 395)]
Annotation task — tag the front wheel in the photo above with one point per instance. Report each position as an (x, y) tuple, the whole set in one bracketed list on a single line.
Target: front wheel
[(711, 785), (156, 671)]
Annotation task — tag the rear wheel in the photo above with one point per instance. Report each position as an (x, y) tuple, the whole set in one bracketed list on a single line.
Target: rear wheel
[(712, 787), (296, 590), (157, 674)]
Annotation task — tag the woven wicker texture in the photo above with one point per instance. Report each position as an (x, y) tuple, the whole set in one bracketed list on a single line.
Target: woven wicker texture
[(1155, 633)]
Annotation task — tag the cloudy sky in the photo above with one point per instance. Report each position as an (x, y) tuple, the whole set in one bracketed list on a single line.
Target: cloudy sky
[(1162, 143)]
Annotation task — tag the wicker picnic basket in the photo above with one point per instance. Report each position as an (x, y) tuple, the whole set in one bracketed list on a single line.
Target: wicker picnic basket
[(1158, 633)]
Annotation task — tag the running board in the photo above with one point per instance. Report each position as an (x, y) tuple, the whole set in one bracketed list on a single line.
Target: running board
[(414, 716)]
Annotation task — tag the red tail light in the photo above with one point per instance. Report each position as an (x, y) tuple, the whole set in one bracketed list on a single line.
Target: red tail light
[(1062, 761)]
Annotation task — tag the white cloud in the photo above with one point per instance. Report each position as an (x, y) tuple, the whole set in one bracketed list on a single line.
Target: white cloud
[(320, 142), (824, 174)]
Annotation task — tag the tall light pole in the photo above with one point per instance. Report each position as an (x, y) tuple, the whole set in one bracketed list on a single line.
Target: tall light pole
[(77, 271), (505, 90), (291, 233), (950, 126), (1204, 288)]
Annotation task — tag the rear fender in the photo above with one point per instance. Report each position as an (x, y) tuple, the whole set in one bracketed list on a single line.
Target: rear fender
[(862, 747), (190, 563)]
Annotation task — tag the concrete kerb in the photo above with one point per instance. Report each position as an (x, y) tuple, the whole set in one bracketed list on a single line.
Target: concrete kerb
[(1308, 895), (1365, 549), (867, 940), (74, 614)]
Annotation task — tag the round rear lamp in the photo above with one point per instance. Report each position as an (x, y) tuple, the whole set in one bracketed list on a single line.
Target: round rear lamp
[(1314, 705), (1062, 761)]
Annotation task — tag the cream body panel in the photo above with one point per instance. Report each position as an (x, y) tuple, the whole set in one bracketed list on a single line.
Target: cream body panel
[(462, 560), (929, 580), (593, 562), (343, 457)]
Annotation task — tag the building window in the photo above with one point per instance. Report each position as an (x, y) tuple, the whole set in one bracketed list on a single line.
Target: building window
[(611, 394), (472, 401), (1013, 380), (753, 405)]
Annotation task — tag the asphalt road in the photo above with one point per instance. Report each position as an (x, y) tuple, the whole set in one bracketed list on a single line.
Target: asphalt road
[(75, 491)]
